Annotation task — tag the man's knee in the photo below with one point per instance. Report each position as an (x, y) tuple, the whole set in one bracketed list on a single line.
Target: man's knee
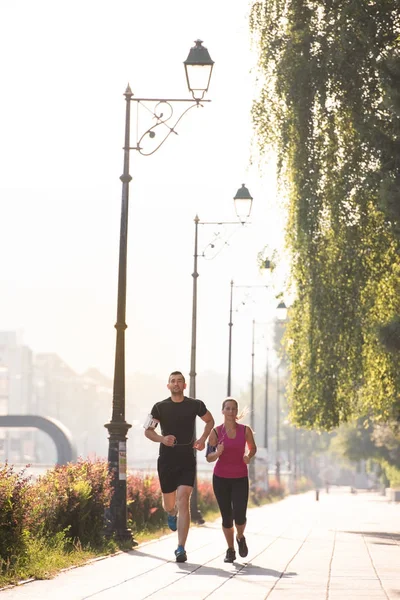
[(169, 501), (183, 496)]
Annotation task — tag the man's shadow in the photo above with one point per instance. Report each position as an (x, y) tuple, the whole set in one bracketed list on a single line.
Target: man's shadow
[(241, 569)]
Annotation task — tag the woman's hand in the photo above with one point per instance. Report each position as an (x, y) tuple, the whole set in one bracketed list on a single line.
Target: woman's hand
[(246, 459), (220, 449)]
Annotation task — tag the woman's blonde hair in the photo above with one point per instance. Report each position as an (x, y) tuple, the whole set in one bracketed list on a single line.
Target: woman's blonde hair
[(239, 416)]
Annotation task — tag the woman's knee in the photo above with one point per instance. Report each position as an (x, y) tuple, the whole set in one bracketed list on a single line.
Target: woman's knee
[(227, 522)]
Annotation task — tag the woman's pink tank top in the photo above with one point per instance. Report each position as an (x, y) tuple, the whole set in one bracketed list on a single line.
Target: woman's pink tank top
[(230, 463)]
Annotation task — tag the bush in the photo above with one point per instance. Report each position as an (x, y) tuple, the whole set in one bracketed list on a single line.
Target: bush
[(14, 513), (205, 496), (259, 495), (276, 489), (303, 484), (392, 473), (72, 499), (144, 502)]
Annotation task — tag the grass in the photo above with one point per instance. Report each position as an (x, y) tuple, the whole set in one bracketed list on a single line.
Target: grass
[(45, 558)]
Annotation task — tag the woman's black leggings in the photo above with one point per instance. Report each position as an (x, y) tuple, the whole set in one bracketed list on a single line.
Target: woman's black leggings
[(232, 496)]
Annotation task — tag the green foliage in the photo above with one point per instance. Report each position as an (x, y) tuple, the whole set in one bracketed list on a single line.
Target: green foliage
[(144, 501), (329, 104), (303, 484), (374, 442), (259, 496), (72, 499), (393, 475), (206, 499), (14, 514)]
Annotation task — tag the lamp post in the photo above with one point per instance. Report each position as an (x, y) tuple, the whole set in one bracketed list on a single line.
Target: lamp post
[(198, 69), (277, 464), (282, 315), (266, 437), (230, 324), (252, 469), (243, 204), (281, 312)]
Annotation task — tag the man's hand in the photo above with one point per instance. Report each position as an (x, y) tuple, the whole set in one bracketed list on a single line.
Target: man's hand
[(168, 440), (200, 444)]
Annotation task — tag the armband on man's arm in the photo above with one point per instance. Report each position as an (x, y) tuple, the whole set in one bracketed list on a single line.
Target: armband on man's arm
[(150, 422)]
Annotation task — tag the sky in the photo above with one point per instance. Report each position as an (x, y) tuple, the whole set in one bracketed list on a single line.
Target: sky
[(64, 70)]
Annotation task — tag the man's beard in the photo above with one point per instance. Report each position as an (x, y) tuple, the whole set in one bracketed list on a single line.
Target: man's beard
[(176, 392)]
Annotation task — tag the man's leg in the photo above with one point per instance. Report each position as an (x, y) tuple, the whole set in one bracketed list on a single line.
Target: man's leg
[(183, 494), (169, 502)]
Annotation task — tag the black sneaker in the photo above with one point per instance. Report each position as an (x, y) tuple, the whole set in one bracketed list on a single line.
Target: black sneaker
[(230, 555), (243, 549)]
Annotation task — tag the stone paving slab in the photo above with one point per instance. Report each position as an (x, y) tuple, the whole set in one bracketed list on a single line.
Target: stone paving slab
[(345, 546)]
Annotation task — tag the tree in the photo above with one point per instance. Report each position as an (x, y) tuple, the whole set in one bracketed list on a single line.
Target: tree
[(329, 105)]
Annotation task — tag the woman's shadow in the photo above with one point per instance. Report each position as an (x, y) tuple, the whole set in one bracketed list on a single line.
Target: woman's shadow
[(241, 570)]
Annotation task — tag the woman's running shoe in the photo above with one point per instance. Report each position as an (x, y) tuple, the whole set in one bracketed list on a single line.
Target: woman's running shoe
[(230, 555), (243, 550)]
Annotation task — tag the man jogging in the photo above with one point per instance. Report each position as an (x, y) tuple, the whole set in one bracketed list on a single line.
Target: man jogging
[(176, 462)]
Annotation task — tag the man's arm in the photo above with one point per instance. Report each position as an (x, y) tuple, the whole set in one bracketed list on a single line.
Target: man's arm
[(209, 421), (151, 434)]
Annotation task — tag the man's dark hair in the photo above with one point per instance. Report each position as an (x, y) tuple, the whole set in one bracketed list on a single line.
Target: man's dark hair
[(176, 373)]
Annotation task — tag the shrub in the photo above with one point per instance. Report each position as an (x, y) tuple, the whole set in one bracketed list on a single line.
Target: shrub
[(14, 513), (72, 498), (276, 489), (303, 484), (206, 499), (144, 502), (392, 473)]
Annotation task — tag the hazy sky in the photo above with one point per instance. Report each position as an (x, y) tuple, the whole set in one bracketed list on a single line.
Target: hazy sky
[(64, 70)]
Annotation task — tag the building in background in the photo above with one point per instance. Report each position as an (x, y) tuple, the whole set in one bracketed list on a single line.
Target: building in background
[(16, 396), (43, 384)]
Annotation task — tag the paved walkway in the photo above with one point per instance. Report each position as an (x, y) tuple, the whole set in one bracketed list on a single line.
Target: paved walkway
[(346, 546)]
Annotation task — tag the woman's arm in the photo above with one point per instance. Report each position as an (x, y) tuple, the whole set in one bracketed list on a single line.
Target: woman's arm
[(251, 445), (214, 450)]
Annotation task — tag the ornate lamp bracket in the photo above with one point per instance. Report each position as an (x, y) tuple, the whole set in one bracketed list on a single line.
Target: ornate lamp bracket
[(166, 121)]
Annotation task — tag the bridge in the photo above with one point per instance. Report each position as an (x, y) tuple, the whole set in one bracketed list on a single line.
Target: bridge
[(61, 436)]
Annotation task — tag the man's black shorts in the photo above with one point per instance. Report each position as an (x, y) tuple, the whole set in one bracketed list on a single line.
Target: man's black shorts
[(172, 475)]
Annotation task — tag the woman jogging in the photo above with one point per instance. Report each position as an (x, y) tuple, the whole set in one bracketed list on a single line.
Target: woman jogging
[(227, 445)]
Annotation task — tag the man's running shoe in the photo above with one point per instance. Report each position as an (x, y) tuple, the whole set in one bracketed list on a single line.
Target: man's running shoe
[(230, 555), (243, 550), (180, 554), (172, 522)]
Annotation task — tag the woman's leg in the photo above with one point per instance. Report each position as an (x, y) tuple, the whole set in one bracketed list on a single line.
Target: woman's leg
[(222, 491), (240, 497)]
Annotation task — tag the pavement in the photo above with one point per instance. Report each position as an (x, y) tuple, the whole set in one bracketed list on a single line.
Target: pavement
[(344, 546)]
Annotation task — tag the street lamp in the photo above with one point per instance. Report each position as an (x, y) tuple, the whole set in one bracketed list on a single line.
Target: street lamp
[(198, 68), (279, 309), (230, 324), (162, 112), (242, 196), (278, 408), (243, 203)]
